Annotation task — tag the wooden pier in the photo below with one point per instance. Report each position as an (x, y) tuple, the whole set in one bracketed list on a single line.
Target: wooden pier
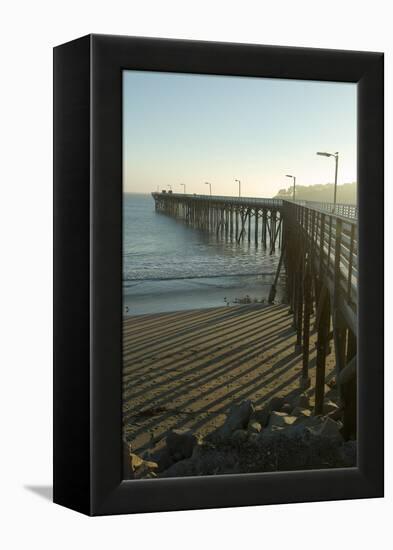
[(318, 243)]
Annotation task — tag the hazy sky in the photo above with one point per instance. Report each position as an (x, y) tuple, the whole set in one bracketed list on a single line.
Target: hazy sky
[(183, 128)]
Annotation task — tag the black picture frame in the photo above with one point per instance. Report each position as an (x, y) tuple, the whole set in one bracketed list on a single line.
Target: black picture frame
[(88, 274)]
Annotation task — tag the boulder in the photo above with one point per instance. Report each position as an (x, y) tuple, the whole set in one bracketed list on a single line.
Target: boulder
[(309, 421), (163, 459), (141, 468), (180, 443), (253, 438), (336, 414), (182, 468), (239, 436), (331, 383), (287, 407), (280, 420), (329, 406), (237, 419), (348, 453), (297, 432), (301, 401), (254, 426), (299, 411), (328, 429), (261, 416), (135, 461), (276, 403)]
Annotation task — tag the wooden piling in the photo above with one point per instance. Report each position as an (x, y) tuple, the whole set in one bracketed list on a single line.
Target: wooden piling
[(306, 322), (322, 347)]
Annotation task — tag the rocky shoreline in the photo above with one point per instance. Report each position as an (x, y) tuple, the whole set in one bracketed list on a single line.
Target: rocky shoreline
[(284, 435)]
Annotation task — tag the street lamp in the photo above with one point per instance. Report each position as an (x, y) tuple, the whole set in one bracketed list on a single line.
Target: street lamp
[(238, 181), (184, 187), (335, 155), (294, 184), (210, 186)]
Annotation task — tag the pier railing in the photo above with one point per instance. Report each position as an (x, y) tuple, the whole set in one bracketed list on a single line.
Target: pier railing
[(223, 199), (331, 241), (340, 209)]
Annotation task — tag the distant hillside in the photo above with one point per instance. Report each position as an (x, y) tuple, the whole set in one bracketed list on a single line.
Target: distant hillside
[(346, 193)]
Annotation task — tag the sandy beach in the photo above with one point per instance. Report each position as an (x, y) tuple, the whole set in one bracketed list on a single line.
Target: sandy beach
[(185, 369)]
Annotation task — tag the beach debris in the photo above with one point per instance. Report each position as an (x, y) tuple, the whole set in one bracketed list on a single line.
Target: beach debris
[(237, 419), (180, 443)]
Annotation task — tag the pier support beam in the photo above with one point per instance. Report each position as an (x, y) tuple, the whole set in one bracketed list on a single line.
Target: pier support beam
[(322, 349), (305, 382)]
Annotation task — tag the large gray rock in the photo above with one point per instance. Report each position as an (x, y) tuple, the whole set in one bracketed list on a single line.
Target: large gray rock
[(182, 468), (261, 416), (239, 436), (276, 403), (163, 458), (329, 406), (329, 429), (269, 433), (237, 419), (348, 453), (299, 411), (180, 443), (301, 401), (309, 421), (280, 420), (254, 426), (286, 408), (140, 468), (297, 432)]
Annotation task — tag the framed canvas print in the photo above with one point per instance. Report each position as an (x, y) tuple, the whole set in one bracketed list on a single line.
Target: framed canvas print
[(218, 274)]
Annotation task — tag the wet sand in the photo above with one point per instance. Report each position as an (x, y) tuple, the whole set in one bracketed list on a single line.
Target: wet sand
[(184, 369)]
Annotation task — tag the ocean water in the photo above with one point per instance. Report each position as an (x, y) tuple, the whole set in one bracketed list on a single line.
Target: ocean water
[(169, 266)]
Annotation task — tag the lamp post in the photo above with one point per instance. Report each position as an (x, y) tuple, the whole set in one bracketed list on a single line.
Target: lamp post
[(184, 187), (238, 181), (294, 184), (335, 155), (210, 186)]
